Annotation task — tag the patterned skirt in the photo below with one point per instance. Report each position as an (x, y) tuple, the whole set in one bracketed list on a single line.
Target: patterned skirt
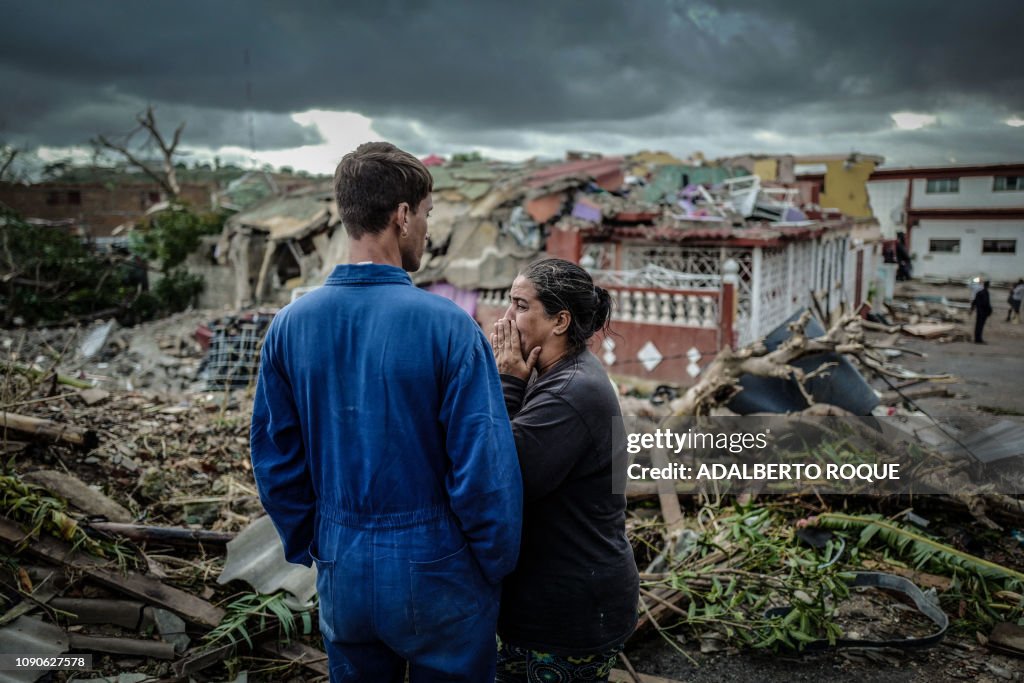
[(521, 665)]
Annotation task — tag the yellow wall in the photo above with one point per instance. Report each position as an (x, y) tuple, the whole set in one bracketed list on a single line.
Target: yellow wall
[(846, 186), (766, 169), (645, 161)]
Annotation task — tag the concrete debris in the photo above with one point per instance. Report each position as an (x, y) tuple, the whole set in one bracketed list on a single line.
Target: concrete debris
[(95, 339), (171, 628), (93, 396)]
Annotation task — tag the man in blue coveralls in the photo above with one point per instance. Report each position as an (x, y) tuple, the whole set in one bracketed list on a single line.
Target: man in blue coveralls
[(382, 450)]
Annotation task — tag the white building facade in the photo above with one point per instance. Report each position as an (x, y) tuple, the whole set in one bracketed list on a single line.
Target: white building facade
[(960, 221)]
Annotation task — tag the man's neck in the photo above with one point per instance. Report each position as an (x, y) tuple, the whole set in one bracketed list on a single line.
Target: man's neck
[(375, 249)]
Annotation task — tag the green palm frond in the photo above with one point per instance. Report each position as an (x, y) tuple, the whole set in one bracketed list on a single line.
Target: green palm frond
[(253, 612), (919, 549)]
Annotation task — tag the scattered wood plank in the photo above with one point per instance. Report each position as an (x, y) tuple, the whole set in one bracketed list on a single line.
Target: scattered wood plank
[(141, 533), (929, 330), (122, 646), (76, 492), (189, 607), (124, 613), (48, 430), (667, 496)]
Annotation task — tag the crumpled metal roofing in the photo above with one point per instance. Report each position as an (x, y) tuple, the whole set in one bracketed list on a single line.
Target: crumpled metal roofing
[(256, 556), (30, 636), (580, 167), (290, 217)]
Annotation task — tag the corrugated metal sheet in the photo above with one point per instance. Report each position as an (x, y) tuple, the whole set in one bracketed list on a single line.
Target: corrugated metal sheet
[(286, 217), (256, 556), (591, 167), (30, 636)]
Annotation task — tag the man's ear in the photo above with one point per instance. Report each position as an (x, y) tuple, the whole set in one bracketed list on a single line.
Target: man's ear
[(562, 320), (402, 214)]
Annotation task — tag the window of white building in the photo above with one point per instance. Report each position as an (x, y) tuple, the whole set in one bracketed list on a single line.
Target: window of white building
[(1008, 183), (942, 185), (999, 246), (944, 246)]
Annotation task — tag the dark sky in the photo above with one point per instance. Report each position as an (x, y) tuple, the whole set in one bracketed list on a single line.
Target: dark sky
[(523, 78)]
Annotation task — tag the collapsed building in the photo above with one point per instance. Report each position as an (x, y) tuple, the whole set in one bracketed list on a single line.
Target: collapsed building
[(697, 256)]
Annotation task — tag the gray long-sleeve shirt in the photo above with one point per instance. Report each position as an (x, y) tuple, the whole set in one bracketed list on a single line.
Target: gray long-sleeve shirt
[(575, 588)]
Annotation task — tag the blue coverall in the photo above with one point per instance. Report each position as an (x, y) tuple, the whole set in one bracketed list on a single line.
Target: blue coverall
[(382, 451)]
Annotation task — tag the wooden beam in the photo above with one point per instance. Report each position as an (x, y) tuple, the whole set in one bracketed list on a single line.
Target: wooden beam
[(142, 533), (189, 607), (48, 430), (667, 496)]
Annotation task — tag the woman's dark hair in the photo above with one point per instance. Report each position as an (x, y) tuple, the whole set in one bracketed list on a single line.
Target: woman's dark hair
[(563, 286)]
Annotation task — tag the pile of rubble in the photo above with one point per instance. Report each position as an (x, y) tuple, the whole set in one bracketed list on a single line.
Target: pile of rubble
[(133, 530)]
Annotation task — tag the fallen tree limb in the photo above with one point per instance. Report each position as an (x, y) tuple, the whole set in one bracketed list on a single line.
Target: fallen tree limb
[(48, 430), (141, 533), (720, 380)]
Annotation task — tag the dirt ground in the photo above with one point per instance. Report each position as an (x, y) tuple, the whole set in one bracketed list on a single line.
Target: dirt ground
[(178, 457), (989, 375), (987, 389)]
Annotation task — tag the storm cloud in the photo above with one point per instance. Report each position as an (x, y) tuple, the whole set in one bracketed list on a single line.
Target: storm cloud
[(526, 78)]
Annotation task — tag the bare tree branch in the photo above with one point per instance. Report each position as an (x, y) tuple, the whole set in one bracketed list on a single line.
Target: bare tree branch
[(168, 178), (720, 381), (148, 121), (9, 153)]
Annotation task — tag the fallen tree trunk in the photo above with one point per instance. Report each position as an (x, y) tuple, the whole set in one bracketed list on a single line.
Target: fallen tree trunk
[(720, 380), (48, 430)]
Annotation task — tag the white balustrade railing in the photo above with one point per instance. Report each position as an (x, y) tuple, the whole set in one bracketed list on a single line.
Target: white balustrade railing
[(492, 297), (652, 307), (677, 309)]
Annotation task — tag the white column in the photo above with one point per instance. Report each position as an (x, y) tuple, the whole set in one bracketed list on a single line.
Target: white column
[(756, 275), (790, 276)]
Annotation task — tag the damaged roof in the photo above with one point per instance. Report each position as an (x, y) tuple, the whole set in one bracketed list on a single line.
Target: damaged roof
[(290, 217)]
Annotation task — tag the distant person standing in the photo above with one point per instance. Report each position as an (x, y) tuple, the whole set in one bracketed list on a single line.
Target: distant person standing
[(981, 306), (1016, 296)]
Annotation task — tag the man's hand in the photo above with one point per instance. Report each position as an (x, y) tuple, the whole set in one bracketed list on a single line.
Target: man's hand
[(508, 351)]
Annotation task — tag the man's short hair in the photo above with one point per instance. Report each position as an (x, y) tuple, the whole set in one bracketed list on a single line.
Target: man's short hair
[(372, 181)]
